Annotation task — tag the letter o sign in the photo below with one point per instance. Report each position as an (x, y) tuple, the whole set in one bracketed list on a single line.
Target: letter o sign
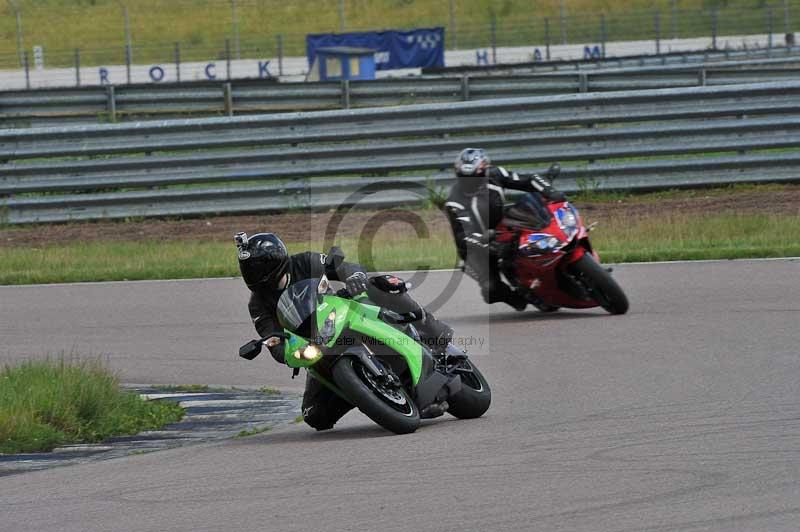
[(157, 73)]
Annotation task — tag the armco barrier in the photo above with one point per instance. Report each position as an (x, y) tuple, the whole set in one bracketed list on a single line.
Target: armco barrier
[(124, 103), (630, 139)]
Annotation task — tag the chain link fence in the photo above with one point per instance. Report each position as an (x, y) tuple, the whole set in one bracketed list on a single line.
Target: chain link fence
[(55, 33)]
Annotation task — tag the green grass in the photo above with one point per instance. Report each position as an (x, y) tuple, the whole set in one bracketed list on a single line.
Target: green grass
[(113, 261), (619, 238), (51, 403), (201, 26), (711, 236), (251, 432), (590, 194)]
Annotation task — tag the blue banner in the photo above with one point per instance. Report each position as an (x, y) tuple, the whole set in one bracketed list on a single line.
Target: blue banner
[(393, 49)]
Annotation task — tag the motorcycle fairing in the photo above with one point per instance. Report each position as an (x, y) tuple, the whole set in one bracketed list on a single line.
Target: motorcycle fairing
[(363, 319), (404, 345), (544, 274)]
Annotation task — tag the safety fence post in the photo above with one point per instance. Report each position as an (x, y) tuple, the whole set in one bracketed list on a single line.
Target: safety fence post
[(701, 77), (547, 37), (111, 103), (26, 65), (714, 21), (20, 38), (280, 54), (178, 61), (674, 18), (345, 94), (77, 67), (228, 58), (228, 95), (583, 82), (235, 28), (657, 26), (769, 30), (493, 28), (453, 29), (128, 60), (603, 35)]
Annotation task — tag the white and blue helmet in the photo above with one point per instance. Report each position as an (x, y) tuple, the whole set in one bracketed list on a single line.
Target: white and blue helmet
[(472, 162)]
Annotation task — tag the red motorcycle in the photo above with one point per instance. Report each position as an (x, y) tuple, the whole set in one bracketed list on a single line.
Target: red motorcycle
[(554, 264)]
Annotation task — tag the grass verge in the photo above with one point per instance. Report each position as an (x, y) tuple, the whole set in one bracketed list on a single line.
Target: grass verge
[(618, 239), (697, 237), (116, 261), (251, 432), (51, 403)]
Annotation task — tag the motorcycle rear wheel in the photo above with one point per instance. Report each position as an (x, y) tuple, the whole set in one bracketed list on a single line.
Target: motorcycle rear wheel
[(602, 287), (391, 407)]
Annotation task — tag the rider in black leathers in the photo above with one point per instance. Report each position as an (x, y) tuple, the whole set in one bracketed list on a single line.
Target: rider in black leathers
[(475, 207), (267, 269)]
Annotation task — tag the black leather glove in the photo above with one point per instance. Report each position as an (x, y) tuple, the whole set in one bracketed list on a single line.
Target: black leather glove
[(544, 187), (277, 352), (356, 283)]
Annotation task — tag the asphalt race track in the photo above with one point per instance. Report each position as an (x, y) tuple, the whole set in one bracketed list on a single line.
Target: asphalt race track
[(682, 415)]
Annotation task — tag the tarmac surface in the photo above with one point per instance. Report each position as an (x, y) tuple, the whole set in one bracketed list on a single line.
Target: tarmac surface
[(683, 414)]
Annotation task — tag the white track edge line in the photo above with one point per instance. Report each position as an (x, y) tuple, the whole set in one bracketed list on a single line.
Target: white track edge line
[(142, 281)]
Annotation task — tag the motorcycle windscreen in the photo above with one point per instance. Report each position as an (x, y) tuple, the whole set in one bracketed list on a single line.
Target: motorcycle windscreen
[(530, 211), (297, 308)]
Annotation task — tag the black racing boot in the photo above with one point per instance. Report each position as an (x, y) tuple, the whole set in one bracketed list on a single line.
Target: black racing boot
[(516, 301), (434, 410), (503, 294)]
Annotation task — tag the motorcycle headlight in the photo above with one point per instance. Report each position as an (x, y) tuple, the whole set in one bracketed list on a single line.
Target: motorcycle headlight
[(540, 243), (568, 220), (310, 352), (548, 243)]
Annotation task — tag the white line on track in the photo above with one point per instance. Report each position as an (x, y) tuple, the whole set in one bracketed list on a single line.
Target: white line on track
[(771, 259)]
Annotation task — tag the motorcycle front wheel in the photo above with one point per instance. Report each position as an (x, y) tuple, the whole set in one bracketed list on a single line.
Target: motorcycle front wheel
[(602, 287), (390, 406), (475, 396)]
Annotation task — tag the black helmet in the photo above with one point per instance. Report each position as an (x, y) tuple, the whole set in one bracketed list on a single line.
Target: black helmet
[(263, 260), (472, 162)]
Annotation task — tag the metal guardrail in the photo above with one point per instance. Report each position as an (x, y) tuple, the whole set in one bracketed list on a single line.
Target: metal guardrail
[(631, 140), (122, 103)]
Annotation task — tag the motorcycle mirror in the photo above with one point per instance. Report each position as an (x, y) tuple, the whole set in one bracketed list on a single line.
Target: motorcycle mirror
[(553, 171), (250, 350)]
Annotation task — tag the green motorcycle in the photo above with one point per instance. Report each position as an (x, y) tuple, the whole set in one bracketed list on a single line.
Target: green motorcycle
[(372, 357)]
